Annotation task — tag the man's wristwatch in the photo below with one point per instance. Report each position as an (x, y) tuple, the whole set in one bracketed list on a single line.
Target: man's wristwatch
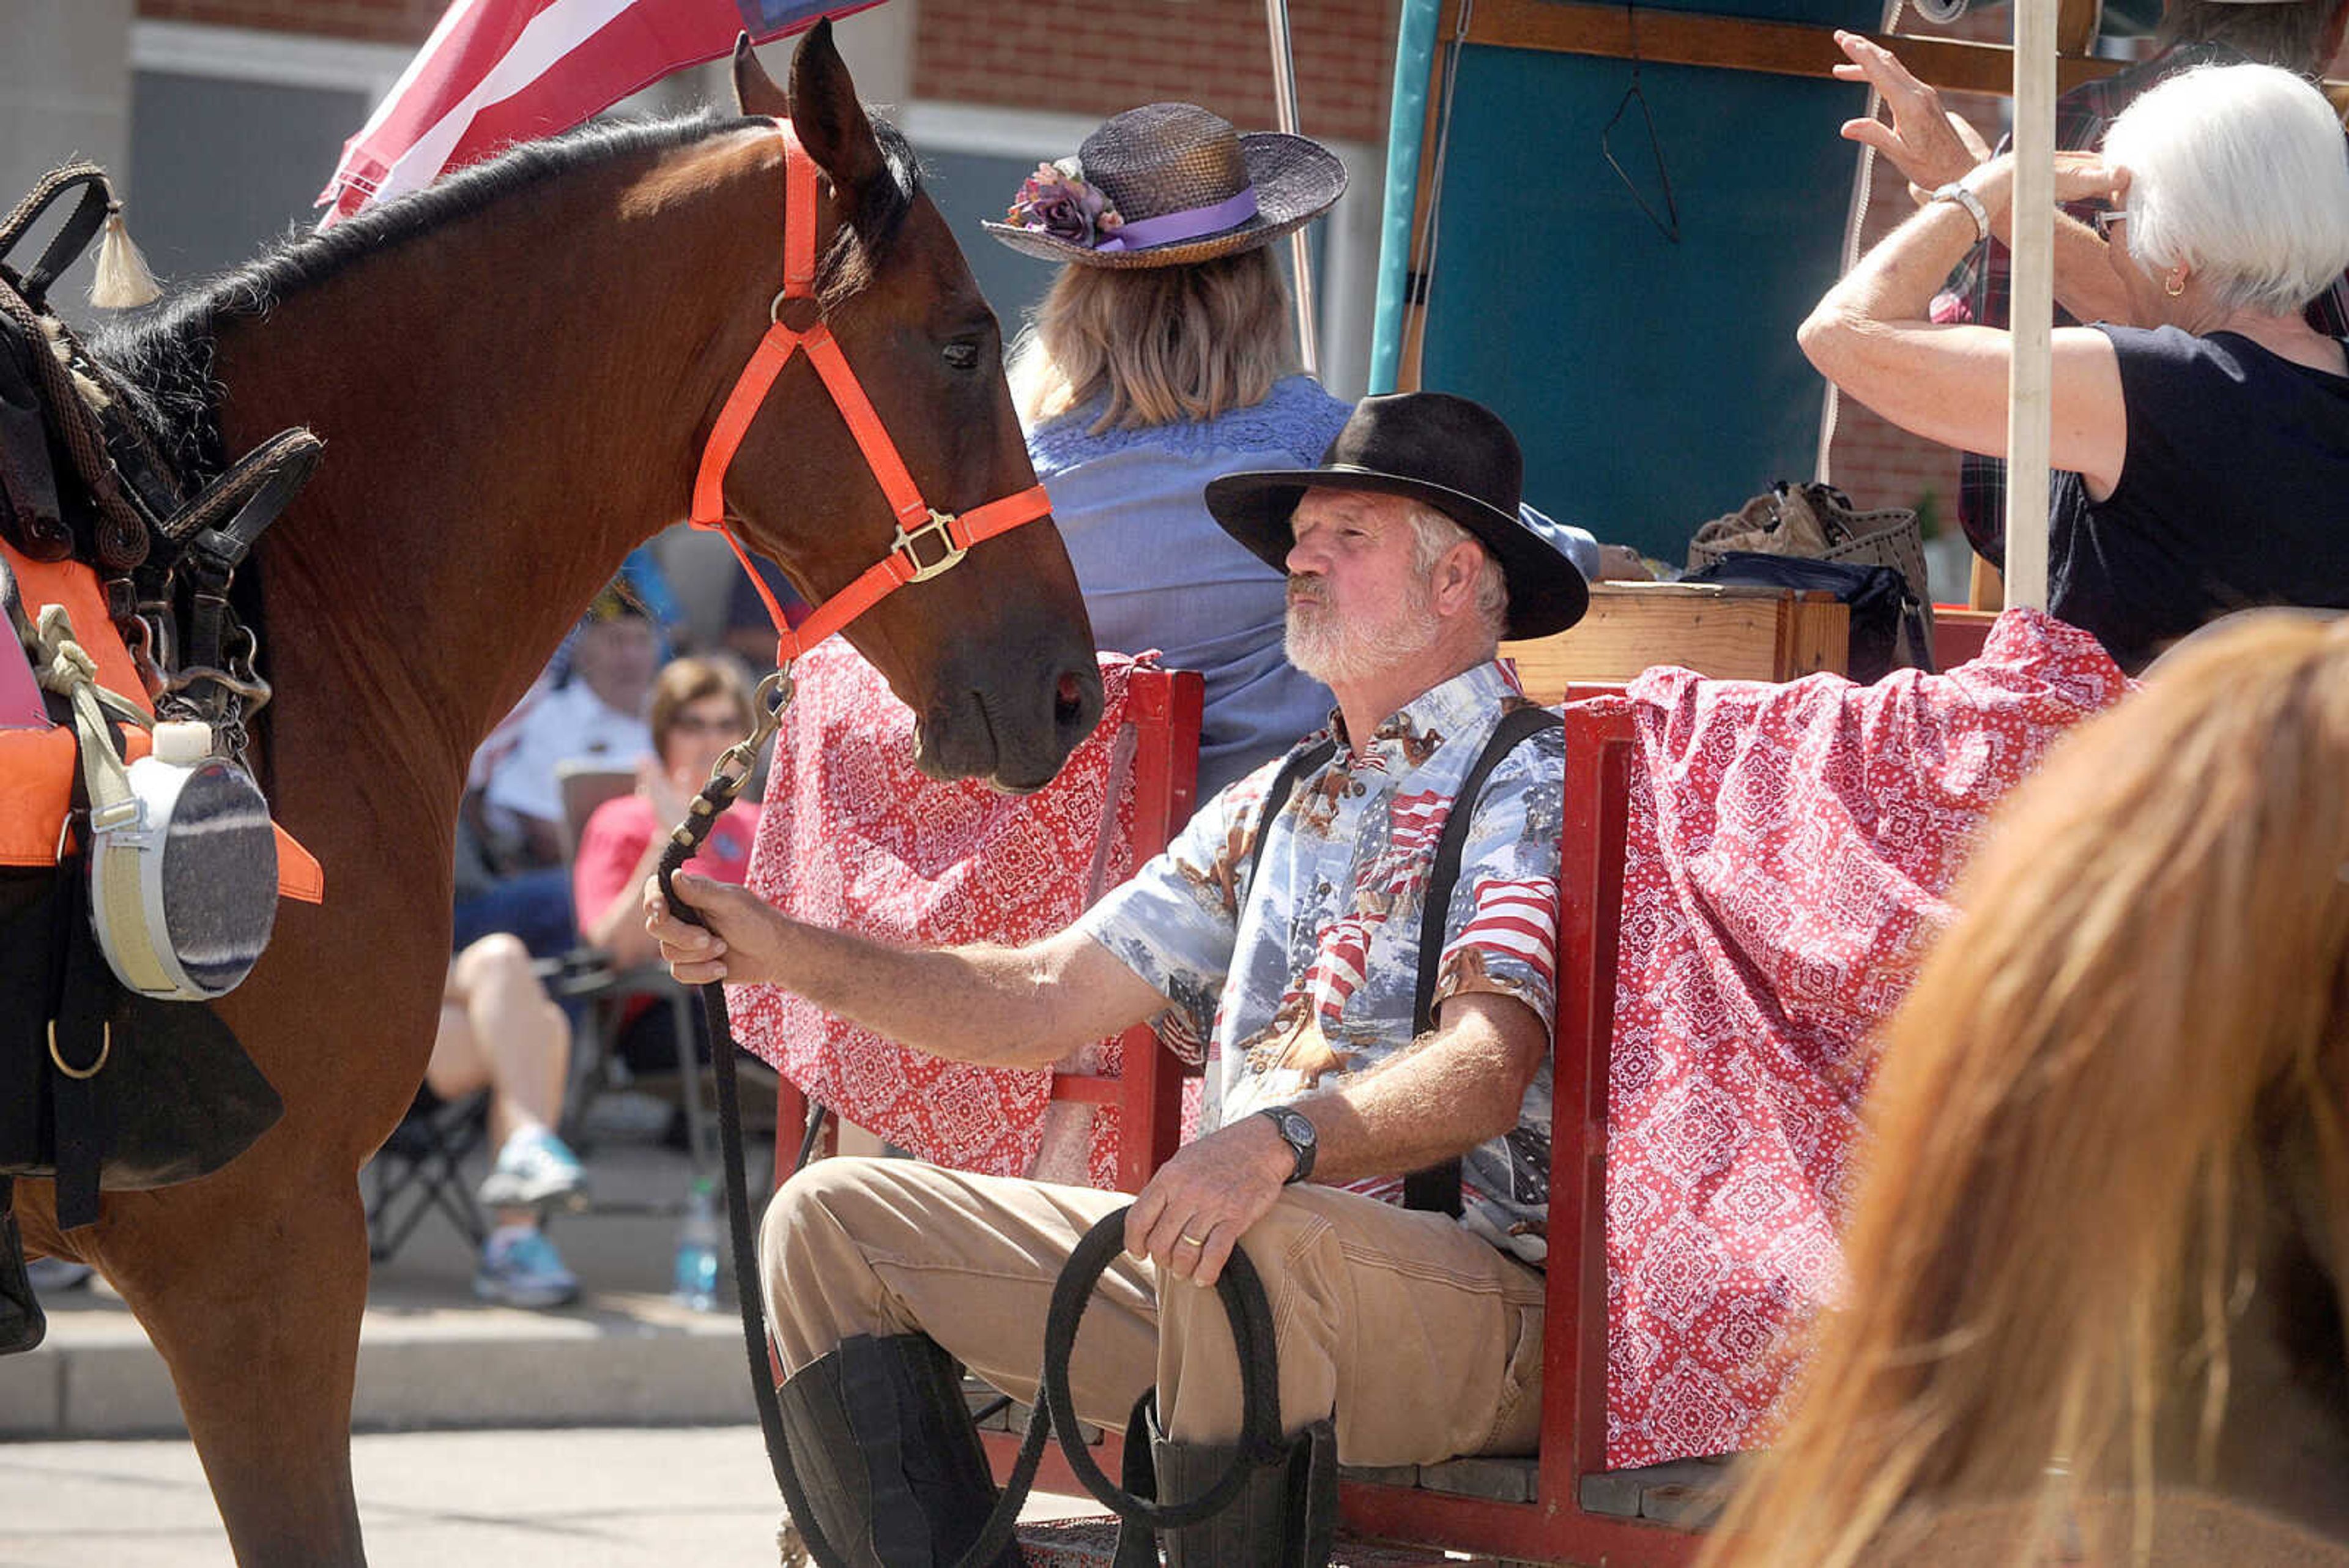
[(1961, 193), (1297, 1134)]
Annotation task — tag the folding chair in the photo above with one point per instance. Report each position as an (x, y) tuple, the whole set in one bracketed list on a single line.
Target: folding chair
[(605, 995), (417, 1170)]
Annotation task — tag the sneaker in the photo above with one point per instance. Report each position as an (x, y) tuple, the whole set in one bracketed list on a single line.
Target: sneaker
[(50, 1275), (523, 1269), (535, 1167)]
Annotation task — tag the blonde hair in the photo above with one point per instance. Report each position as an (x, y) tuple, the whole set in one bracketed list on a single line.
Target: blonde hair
[(1165, 343), (2066, 1129)]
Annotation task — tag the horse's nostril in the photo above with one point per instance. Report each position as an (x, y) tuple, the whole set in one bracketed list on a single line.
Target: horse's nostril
[(1068, 700)]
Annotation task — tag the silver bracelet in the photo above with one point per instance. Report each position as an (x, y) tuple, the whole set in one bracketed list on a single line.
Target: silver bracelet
[(1958, 191)]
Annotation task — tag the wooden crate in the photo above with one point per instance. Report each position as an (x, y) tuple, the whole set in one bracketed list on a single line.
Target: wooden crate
[(1958, 634), (1733, 632)]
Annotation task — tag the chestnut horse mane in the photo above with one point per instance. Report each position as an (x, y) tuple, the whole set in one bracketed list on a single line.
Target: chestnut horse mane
[(2113, 1074), (162, 355)]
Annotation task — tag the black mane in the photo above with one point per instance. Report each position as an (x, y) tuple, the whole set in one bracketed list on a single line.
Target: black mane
[(163, 353)]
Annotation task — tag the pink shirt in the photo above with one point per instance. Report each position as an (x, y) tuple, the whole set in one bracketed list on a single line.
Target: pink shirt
[(614, 845)]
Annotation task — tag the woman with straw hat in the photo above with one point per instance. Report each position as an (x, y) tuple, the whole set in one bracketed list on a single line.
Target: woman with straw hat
[(1161, 358)]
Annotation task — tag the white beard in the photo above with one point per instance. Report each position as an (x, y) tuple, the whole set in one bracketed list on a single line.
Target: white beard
[(1334, 649)]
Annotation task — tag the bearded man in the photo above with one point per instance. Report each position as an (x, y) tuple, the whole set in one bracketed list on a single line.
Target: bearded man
[(1285, 926)]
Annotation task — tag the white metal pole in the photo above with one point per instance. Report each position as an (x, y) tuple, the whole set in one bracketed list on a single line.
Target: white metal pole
[(2032, 303), (1284, 108)]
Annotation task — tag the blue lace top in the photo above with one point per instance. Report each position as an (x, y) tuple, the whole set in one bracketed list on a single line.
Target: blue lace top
[(1158, 573)]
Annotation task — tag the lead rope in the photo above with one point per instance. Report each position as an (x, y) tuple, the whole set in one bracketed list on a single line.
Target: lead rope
[(1240, 1289)]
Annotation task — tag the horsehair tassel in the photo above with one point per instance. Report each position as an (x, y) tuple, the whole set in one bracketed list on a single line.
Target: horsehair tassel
[(123, 281)]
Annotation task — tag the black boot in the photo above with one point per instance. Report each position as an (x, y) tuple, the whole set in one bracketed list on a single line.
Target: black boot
[(1284, 1516), (22, 1322), (884, 1445)]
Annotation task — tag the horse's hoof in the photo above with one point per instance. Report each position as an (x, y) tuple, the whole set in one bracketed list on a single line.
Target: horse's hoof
[(787, 1541)]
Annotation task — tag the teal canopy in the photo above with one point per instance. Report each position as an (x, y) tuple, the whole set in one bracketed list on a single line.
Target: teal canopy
[(1653, 384)]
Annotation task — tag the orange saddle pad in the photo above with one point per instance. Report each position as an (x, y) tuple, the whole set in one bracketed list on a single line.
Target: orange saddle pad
[(37, 765)]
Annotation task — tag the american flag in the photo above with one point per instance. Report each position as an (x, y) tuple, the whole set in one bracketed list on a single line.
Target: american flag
[(1517, 918), (495, 72)]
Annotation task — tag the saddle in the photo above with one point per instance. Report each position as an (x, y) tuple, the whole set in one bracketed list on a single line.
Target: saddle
[(138, 869)]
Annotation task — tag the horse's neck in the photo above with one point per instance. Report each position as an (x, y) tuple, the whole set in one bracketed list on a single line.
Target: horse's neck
[(507, 408)]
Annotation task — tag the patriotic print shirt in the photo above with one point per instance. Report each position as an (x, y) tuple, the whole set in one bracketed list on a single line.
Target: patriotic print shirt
[(1311, 979)]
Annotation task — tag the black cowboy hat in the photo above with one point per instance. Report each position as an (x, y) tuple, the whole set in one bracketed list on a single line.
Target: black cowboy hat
[(1454, 454), (1190, 186)]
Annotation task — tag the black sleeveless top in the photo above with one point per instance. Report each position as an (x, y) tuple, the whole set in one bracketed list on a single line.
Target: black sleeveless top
[(2234, 493)]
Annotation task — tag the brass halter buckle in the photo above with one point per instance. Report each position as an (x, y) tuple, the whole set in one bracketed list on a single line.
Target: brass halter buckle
[(940, 524)]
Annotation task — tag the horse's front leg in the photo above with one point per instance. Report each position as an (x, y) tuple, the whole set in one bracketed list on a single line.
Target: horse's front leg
[(252, 1284)]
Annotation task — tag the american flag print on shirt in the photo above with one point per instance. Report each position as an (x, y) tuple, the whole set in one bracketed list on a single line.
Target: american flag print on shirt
[(1310, 974)]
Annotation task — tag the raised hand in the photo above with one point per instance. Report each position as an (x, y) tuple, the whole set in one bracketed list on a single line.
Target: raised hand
[(1925, 142)]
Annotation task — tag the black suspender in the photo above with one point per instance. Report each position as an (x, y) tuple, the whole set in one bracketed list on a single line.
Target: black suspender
[(1438, 1188)]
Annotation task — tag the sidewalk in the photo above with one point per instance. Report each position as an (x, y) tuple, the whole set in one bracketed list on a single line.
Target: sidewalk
[(433, 1356)]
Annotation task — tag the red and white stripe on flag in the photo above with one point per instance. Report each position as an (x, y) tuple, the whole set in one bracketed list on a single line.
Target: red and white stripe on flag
[(495, 72)]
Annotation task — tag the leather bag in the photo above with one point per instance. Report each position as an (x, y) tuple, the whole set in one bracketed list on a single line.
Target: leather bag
[(100, 1087), (1819, 523)]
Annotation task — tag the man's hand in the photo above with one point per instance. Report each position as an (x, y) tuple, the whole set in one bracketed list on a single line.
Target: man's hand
[(1193, 1210), (742, 929), (1925, 142)]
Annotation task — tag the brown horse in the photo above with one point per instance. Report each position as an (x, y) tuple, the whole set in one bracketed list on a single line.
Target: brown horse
[(513, 373), (2099, 1263)]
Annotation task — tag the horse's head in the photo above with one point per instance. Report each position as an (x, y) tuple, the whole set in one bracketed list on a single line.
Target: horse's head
[(995, 656)]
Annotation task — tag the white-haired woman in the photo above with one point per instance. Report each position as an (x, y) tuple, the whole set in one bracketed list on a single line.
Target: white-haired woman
[(1162, 358), (2204, 444)]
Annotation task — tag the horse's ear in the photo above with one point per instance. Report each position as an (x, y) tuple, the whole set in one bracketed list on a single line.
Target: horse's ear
[(755, 91), (824, 112)]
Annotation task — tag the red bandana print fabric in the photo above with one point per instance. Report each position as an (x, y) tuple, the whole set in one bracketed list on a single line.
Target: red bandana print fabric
[(1792, 849), (853, 836)]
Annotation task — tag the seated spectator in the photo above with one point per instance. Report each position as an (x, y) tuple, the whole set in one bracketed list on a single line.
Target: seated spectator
[(596, 714), (2205, 444), (2096, 1258), (1408, 561), (500, 1032), (1161, 357), (699, 707)]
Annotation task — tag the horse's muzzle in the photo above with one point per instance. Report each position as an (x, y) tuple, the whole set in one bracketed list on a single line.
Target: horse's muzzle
[(1013, 733)]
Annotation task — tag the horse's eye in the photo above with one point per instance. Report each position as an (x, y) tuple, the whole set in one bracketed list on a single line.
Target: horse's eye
[(962, 356)]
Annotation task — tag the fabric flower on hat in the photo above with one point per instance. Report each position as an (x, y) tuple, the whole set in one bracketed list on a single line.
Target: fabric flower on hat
[(1056, 201)]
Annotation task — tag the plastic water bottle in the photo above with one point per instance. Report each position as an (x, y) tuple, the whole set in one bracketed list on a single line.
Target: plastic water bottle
[(697, 1249)]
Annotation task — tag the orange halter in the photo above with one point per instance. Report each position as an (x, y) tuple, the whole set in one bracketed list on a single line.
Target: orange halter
[(921, 528)]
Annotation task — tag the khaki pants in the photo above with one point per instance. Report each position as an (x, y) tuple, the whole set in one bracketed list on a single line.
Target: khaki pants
[(1425, 1341)]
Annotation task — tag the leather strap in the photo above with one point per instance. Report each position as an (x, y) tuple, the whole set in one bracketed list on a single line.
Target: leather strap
[(1438, 1188), (73, 236)]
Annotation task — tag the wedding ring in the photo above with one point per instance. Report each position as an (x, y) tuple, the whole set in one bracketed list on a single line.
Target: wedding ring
[(1199, 1242)]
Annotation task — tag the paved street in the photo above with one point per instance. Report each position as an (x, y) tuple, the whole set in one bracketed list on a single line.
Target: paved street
[(579, 1498)]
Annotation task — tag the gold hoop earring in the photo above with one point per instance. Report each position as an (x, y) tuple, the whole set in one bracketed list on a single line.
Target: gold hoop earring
[(2173, 286)]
